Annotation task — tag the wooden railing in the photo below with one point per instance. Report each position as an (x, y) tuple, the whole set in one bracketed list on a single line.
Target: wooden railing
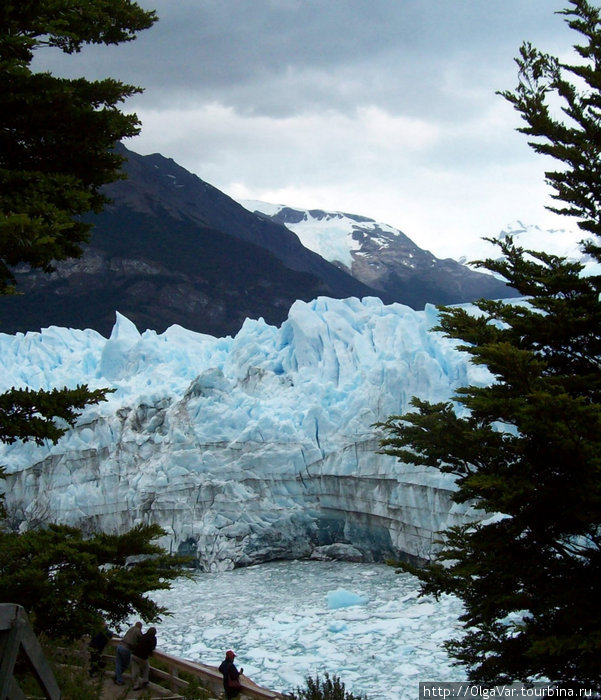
[(16, 634), (209, 676)]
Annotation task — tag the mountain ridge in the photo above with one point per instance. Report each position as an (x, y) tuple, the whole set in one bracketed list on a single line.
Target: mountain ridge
[(172, 249), (159, 254), (383, 257)]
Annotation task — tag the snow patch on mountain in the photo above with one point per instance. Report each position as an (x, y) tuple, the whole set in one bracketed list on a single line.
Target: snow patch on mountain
[(384, 258), (335, 236), (341, 237), (565, 243)]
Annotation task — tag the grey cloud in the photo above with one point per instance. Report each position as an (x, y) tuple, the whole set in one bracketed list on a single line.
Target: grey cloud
[(234, 87), (287, 56)]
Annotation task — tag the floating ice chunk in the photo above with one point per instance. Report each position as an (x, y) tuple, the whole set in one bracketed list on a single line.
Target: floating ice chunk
[(337, 627), (420, 610), (408, 669), (343, 552), (341, 598)]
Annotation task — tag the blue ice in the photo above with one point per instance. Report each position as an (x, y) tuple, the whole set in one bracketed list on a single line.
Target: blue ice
[(341, 598)]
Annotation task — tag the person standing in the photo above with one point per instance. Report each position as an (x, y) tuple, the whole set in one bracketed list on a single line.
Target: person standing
[(96, 647), (140, 655), (124, 649), (231, 675)]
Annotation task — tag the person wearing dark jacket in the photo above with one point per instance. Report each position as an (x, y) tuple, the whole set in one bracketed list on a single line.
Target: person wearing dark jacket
[(96, 647), (231, 675), (140, 666)]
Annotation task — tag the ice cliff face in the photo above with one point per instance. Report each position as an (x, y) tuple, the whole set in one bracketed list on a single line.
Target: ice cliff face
[(244, 449)]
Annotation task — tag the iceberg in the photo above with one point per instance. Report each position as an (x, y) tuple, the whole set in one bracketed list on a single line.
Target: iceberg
[(244, 449), (341, 598)]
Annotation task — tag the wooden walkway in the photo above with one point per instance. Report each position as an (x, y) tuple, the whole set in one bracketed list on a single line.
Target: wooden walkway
[(16, 635), (168, 683)]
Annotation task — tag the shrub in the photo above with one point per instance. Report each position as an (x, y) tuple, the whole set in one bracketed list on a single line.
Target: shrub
[(326, 689)]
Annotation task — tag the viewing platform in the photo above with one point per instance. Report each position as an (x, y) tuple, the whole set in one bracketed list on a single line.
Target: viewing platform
[(170, 677)]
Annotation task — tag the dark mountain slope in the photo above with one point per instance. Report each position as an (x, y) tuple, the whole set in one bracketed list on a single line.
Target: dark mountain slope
[(171, 248), (157, 272), (158, 186), (166, 251)]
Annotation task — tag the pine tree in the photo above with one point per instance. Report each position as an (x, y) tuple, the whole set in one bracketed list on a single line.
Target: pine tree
[(57, 139), (30, 415), (526, 450), (57, 135), (65, 581), (326, 689)]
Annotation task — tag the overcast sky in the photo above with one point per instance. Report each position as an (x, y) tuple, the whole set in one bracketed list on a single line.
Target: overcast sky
[(385, 108)]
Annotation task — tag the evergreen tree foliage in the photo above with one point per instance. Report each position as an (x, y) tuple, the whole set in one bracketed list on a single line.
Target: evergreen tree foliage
[(326, 689), (30, 415), (56, 151), (526, 450), (66, 581), (57, 135)]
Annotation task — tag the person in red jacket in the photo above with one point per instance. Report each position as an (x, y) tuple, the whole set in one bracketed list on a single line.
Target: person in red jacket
[(231, 675)]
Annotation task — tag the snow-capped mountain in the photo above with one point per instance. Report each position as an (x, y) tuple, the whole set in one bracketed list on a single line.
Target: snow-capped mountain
[(383, 257), (245, 449), (336, 236), (562, 242), (172, 249)]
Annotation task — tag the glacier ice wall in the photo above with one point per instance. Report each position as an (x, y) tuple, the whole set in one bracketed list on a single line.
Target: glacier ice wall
[(244, 449)]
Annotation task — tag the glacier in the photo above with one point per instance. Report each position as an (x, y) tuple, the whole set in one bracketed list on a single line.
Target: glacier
[(245, 449)]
